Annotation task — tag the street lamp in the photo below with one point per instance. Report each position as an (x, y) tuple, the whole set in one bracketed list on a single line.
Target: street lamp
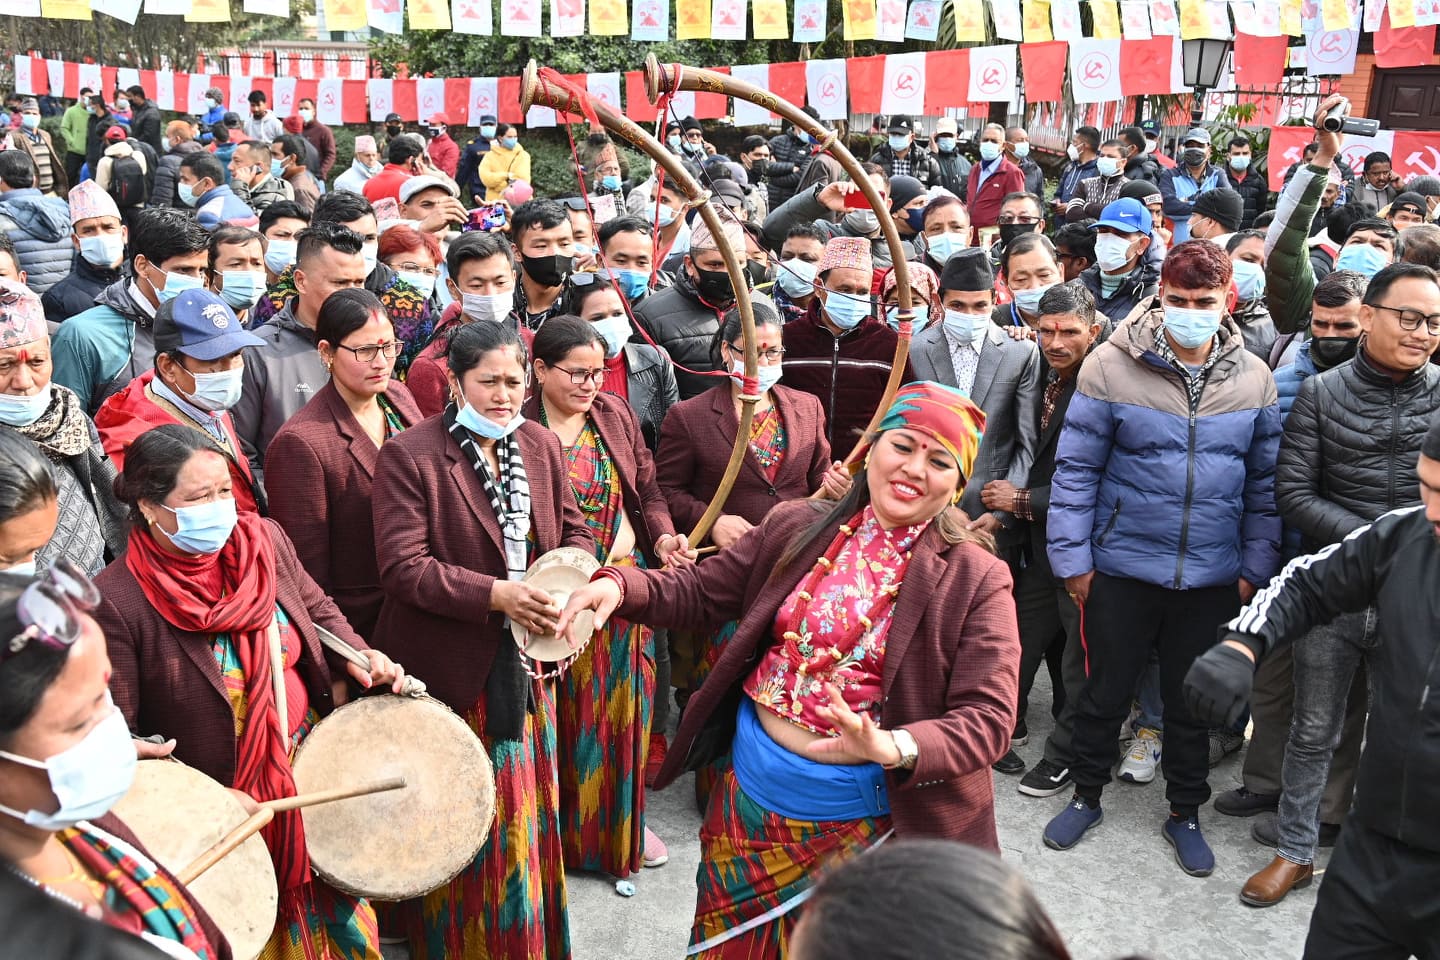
[(1204, 63)]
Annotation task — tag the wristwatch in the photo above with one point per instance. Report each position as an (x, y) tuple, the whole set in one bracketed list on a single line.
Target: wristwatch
[(909, 750)]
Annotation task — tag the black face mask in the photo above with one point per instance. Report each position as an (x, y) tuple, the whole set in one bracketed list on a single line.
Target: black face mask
[(757, 169), (758, 272), (1193, 156), (714, 286), (548, 271), (392, 131), (1009, 231), (1330, 352)]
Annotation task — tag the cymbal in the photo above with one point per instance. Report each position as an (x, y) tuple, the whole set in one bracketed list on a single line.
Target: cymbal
[(559, 572)]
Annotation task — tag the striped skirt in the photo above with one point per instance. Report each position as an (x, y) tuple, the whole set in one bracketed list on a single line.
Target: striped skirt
[(510, 902), (331, 926), (604, 703)]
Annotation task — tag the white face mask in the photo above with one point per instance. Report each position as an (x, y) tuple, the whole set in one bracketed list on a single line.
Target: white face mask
[(494, 307), (767, 376), (423, 282), (217, 392), (88, 778), (967, 327), (370, 253), (1073, 152), (307, 115), (1112, 252)]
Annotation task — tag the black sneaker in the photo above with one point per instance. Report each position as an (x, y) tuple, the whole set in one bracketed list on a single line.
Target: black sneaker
[(1010, 764), (1045, 779), (1021, 736), (1242, 803)]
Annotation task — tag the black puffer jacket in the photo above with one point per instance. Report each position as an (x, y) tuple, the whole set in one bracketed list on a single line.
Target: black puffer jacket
[(1142, 284), (1257, 326), (789, 156), (1254, 190), (1349, 448), (679, 321)]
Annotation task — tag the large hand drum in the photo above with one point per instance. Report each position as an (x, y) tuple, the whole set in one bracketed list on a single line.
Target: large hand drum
[(179, 813), (402, 843)]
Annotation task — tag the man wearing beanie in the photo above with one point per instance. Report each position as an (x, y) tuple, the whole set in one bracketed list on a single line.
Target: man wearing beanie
[(1215, 215), (839, 351), (1378, 896), (99, 236), (907, 202)]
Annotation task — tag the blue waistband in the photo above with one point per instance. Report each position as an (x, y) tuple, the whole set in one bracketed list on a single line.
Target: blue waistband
[(799, 788)]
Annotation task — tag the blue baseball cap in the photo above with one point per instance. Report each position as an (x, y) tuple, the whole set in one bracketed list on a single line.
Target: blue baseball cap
[(1151, 127), (1127, 215), (200, 325)]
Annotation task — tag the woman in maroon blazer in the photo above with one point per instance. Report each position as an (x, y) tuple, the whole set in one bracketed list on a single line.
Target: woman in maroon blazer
[(868, 687), (324, 460), (191, 614), (605, 699), (464, 502)]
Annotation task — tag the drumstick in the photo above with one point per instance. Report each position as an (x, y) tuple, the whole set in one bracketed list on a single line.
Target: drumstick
[(248, 827), (277, 677), (282, 804), (704, 550), (412, 686)]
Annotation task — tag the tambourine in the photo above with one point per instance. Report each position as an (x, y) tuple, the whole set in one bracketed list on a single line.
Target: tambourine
[(559, 573)]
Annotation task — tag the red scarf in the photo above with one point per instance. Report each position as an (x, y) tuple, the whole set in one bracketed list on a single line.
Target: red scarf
[(233, 592)]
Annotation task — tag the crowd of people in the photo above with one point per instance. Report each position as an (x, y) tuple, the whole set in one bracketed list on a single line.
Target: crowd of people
[(243, 401)]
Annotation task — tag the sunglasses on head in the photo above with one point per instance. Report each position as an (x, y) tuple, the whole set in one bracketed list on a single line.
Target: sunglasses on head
[(588, 277), (50, 608)]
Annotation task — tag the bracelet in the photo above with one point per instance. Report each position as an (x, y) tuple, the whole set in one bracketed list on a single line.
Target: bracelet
[(613, 575)]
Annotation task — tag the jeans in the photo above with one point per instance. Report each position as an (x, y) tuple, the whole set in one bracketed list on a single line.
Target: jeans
[(1329, 674), (1122, 623), (1152, 705)]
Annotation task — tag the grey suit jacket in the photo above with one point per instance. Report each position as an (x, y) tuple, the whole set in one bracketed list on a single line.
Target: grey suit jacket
[(1007, 388)]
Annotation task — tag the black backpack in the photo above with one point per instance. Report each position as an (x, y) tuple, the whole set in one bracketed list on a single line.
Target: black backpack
[(127, 182)]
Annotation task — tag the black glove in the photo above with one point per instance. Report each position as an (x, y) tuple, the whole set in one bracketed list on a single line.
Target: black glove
[(1217, 686)]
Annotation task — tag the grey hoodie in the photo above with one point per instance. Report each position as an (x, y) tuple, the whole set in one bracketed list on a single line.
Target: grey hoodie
[(280, 378), (39, 227)]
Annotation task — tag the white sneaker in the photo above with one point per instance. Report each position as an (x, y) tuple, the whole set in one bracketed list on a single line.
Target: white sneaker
[(1142, 758)]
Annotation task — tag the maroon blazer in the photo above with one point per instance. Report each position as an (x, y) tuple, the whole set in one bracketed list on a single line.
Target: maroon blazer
[(167, 681), (619, 428), (695, 444), (440, 551), (950, 676), (321, 465)]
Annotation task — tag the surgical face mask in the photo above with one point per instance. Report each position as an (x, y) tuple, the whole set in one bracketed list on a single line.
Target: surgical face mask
[(1112, 252), (942, 246), (919, 322), (279, 254), (945, 144), (1249, 280), (767, 376), (633, 283), (423, 282), (370, 253), (614, 330), (88, 778), (23, 411), (673, 142), (277, 167), (102, 250), (242, 288), (122, 105), (846, 310), (176, 284), (307, 115), (667, 215), (1149, 145), (509, 143), (186, 192), (1073, 152), (694, 149), (1193, 156), (796, 277), (861, 223), (610, 182), (30, 121), (899, 141), (468, 418), (487, 131), (1191, 328), (205, 527), (493, 307), (217, 392), (1240, 164), (1330, 352), (1107, 166), (1363, 258), (967, 327), (211, 102), (1029, 300), (1022, 149), (989, 150)]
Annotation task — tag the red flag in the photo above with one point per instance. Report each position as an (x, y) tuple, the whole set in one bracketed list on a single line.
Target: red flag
[(1403, 46), (72, 83), (304, 90), (1416, 153), (509, 94), (787, 81), (40, 78), (218, 80), (1043, 67), (947, 80), (457, 100), (1259, 61), (637, 105), (265, 85), (1144, 66), (403, 99), (109, 78), (353, 108), (865, 78), (1287, 147), (712, 106)]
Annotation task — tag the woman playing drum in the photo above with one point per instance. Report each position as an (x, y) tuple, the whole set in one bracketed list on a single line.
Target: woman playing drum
[(193, 614), (66, 757), (604, 701), (464, 502), (869, 684)]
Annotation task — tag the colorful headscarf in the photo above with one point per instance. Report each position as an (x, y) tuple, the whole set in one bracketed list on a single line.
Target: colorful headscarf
[(942, 413), (924, 286), (22, 319)]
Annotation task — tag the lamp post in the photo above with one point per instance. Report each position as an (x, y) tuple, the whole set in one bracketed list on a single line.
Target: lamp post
[(1204, 63)]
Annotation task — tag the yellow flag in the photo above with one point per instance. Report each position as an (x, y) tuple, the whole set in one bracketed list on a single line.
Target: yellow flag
[(969, 21), (346, 15), (692, 19), (1194, 20), (859, 19), (1290, 20), (1106, 16), (772, 21), (1037, 21), (65, 9), (429, 14), (609, 18), (1402, 14), (208, 11)]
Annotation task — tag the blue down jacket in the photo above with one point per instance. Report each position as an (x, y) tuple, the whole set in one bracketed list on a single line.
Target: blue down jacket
[(1153, 487)]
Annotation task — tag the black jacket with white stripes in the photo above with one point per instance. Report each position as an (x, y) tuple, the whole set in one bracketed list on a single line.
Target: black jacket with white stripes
[(1393, 564)]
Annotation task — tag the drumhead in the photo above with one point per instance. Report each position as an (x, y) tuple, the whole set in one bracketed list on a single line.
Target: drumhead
[(178, 813), (559, 572), (401, 843)]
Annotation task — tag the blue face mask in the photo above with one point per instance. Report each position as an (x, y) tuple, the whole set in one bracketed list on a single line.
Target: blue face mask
[(1249, 281), (423, 282), (1191, 328), (1363, 258), (666, 215), (242, 288), (176, 284), (205, 527), (610, 182), (673, 142), (509, 143), (989, 150), (919, 322), (967, 327), (915, 218), (186, 192), (18, 411), (1029, 300), (796, 277), (102, 250), (942, 246), (633, 283), (277, 168), (846, 310), (485, 427), (488, 131), (279, 254), (615, 330), (899, 142)]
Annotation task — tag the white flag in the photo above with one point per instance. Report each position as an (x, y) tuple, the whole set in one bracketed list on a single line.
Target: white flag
[(992, 73), (240, 87), (1008, 24), (484, 99), (825, 82), (471, 16), (567, 18), (381, 93), (269, 8), (164, 92), (746, 113), (328, 103), (387, 16), (282, 98), (540, 117), (1095, 70), (903, 91), (430, 98), (605, 87), (23, 81), (125, 10)]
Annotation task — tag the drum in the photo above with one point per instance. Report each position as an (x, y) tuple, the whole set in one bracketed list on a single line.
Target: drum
[(178, 813), (402, 843), (559, 572)]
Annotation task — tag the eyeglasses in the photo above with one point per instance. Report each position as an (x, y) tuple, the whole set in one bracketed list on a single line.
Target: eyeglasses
[(581, 377), (370, 351), (50, 608), (1411, 319), (412, 267), (773, 354), (1012, 218)]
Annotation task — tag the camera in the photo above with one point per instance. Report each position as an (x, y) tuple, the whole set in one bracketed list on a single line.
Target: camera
[(1337, 122)]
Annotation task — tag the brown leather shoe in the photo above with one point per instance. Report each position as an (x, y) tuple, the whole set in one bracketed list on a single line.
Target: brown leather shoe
[(1269, 886)]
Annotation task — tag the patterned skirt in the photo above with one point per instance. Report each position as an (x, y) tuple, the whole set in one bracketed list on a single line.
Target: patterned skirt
[(604, 703), (709, 774), (511, 902), (756, 867), (330, 926)]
